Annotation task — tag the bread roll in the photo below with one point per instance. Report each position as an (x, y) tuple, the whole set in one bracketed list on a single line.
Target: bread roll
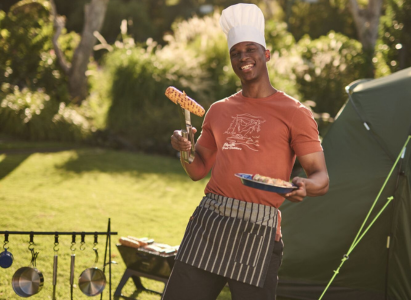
[(143, 241), (129, 242)]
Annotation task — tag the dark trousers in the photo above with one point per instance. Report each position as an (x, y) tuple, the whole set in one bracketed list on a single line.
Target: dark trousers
[(190, 283)]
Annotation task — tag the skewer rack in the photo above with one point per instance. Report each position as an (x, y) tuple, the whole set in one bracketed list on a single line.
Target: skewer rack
[(107, 233)]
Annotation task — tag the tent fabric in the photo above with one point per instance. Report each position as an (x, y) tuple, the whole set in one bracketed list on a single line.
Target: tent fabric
[(399, 280), (319, 231)]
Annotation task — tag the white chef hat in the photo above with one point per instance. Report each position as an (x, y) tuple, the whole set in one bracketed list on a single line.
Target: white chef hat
[(243, 23)]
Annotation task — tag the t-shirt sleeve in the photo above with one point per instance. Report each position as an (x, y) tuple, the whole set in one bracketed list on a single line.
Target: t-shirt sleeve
[(304, 133), (206, 139)]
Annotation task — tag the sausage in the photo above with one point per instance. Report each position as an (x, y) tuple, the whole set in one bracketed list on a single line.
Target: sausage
[(272, 181), (184, 101)]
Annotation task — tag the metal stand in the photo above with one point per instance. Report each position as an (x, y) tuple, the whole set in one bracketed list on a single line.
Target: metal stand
[(108, 235), (108, 242)]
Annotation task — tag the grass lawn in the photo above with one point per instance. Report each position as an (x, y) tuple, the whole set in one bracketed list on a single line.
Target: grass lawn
[(78, 190)]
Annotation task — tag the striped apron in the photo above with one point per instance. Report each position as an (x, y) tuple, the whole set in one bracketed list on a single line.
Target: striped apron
[(231, 238)]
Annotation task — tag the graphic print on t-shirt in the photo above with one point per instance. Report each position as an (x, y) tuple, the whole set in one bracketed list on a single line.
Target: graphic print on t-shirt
[(242, 131)]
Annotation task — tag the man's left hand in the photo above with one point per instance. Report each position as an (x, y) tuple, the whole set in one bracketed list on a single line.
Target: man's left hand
[(316, 183), (298, 194)]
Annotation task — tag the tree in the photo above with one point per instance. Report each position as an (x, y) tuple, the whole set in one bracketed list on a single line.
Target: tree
[(395, 35), (317, 17), (76, 70), (26, 52), (366, 21)]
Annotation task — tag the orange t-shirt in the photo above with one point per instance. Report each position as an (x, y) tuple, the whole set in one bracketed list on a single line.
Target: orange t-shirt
[(256, 136)]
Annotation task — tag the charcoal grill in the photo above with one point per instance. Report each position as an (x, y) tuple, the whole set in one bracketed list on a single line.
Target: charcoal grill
[(144, 263)]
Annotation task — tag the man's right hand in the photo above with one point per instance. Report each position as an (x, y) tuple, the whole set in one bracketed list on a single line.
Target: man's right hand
[(204, 157), (179, 142)]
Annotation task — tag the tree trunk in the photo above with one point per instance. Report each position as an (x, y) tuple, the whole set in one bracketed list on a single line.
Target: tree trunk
[(94, 17), (269, 8), (76, 72), (366, 21)]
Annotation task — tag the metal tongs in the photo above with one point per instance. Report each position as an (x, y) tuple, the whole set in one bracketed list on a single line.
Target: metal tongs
[(187, 132)]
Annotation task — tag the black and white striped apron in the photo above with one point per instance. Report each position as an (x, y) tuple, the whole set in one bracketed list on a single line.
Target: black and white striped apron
[(231, 238)]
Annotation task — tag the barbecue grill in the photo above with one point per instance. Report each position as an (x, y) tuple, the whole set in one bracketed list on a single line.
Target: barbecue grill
[(144, 263)]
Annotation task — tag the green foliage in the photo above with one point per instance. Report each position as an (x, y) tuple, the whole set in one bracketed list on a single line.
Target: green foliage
[(318, 18), (140, 114), (137, 13), (35, 116), (68, 43), (393, 51), (330, 63), (284, 56), (204, 38), (95, 108), (27, 58), (146, 18), (277, 36), (34, 90)]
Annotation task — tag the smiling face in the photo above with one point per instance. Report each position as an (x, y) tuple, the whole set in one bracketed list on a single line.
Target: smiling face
[(248, 60)]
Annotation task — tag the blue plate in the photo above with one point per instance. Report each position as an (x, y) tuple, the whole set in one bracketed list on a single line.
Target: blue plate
[(247, 180)]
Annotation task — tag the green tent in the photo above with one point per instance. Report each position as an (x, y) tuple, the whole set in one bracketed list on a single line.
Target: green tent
[(360, 148)]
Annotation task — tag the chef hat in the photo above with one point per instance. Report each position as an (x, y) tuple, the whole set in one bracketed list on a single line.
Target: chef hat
[(243, 23)]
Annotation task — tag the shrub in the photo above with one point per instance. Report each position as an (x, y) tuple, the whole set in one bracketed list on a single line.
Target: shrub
[(329, 64), (204, 37), (27, 57), (35, 116), (140, 114), (284, 57), (317, 18), (393, 50), (34, 93), (277, 36)]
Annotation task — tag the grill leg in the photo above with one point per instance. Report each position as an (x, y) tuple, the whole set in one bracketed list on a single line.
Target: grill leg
[(127, 274), (137, 281)]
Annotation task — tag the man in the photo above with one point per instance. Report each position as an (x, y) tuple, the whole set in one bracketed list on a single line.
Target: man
[(234, 234)]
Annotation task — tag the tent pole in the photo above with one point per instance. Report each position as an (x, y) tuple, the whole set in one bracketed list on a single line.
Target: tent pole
[(358, 237), (391, 233), (388, 252)]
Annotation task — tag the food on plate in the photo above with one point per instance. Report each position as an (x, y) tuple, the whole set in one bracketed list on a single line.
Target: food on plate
[(184, 101), (272, 181)]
